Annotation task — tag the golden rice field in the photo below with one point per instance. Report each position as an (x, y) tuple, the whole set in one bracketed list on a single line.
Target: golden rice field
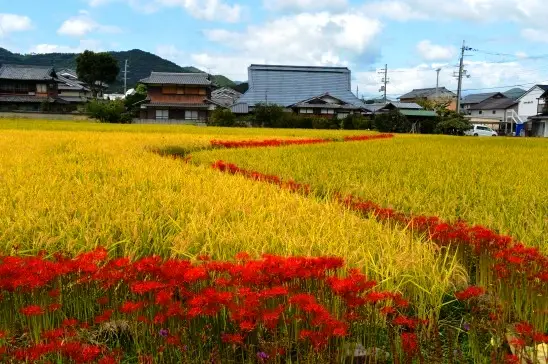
[(497, 182), (68, 190), (72, 187)]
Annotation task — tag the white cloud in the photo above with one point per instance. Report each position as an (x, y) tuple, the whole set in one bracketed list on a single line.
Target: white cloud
[(396, 10), (433, 52), (535, 35), (211, 10), (86, 44), (304, 4), (485, 77), (302, 39), (80, 25), (10, 23)]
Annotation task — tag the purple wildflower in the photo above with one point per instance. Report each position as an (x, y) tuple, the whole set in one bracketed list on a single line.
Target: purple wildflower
[(262, 355), (164, 332)]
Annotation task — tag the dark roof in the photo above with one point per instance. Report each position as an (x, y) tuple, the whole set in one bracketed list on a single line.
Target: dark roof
[(170, 78), (70, 84), (26, 99), (288, 85), (544, 87), (393, 104), (477, 98), (495, 104), (425, 92), (26, 73)]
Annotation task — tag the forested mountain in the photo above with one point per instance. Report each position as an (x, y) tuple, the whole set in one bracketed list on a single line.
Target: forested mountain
[(140, 65)]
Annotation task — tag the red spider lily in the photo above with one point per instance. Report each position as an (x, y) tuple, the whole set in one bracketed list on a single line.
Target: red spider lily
[(512, 359), (54, 307), (131, 307), (69, 322), (237, 339), (518, 343), (409, 343), (405, 321), (524, 329), (145, 287), (469, 293), (32, 310), (105, 316)]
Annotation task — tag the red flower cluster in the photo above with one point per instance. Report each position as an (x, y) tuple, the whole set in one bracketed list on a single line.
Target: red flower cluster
[(257, 176), (248, 295), (469, 293), (367, 137), (265, 143), (286, 142), (508, 259)]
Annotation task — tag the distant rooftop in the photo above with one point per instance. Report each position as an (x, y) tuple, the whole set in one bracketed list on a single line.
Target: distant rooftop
[(501, 103), (26, 73), (477, 98), (426, 92), (286, 85), (171, 78)]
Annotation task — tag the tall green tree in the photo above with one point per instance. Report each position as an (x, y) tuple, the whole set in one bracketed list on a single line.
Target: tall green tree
[(97, 69)]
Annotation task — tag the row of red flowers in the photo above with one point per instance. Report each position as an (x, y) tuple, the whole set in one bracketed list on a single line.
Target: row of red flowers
[(285, 297), (286, 142), (507, 259)]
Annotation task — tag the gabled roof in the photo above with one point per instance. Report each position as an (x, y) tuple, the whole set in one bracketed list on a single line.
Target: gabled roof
[(495, 104), (425, 92), (477, 98), (288, 85), (225, 96), (542, 87), (26, 73), (171, 78), (393, 104)]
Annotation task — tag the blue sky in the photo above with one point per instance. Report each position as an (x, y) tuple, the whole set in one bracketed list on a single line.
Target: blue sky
[(414, 37)]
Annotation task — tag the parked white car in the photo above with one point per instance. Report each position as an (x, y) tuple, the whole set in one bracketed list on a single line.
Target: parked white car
[(481, 130)]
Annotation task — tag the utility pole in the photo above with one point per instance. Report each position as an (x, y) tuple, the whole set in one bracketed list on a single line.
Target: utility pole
[(385, 80), (462, 73), (125, 77), (437, 82)]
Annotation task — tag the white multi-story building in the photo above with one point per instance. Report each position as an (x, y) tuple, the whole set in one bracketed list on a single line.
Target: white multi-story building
[(530, 103)]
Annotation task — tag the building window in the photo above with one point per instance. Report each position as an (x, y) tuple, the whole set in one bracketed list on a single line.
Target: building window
[(162, 114), (342, 115), (41, 88), (480, 112), (328, 111), (191, 115), (306, 111), (494, 112)]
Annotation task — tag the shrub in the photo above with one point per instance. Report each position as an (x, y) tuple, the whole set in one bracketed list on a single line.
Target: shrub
[(222, 117), (268, 115), (319, 122), (109, 111), (393, 122), (356, 122)]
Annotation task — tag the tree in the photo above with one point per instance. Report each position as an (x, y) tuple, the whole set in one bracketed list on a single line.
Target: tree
[(109, 111), (97, 69), (268, 115), (453, 123), (222, 117), (392, 122)]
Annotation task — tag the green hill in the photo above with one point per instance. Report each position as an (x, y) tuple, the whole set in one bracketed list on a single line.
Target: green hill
[(140, 65)]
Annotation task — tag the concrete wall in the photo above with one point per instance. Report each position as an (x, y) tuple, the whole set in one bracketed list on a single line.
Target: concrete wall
[(42, 116)]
